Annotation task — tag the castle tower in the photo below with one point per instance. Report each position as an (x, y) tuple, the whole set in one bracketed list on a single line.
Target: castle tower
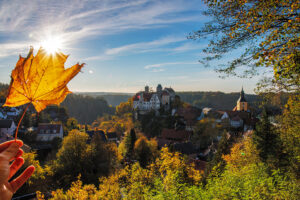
[(242, 104), (159, 88), (146, 89)]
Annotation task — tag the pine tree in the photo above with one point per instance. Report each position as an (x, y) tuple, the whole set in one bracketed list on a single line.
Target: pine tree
[(267, 141), (129, 141), (217, 164)]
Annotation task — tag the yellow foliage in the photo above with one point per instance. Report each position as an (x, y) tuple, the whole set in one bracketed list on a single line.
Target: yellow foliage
[(242, 154)]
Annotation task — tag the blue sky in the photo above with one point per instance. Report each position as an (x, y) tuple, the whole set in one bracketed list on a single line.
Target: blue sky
[(125, 44)]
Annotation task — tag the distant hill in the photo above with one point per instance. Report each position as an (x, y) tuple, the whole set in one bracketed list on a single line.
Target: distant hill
[(218, 100), (112, 98), (86, 109)]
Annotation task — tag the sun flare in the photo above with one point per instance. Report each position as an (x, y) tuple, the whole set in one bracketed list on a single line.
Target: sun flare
[(52, 44)]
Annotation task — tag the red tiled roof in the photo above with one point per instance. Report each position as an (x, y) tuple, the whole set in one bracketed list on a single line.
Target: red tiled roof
[(177, 135)]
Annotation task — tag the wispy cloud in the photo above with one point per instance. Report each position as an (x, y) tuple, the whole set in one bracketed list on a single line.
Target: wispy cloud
[(76, 20), (140, 47), (158, 70), (159, 65)]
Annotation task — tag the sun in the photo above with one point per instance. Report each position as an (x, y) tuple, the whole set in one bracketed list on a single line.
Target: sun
[(52, 44)]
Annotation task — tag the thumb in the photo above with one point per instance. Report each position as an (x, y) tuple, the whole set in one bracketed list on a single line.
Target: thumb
[(11, 151)]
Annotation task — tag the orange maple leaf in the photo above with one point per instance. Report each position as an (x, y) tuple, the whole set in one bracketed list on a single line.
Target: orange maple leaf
[(40, 80)]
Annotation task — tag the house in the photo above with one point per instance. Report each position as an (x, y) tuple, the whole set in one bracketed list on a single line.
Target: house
[(47, 132), (7, 126)]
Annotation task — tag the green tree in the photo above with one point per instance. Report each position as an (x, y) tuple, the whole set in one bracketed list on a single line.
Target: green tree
[(217, 164), (267, 141), (129, 140), (267, 32)]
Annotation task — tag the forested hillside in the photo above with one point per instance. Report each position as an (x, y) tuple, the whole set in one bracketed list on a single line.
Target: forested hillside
[(85, 108), (219, 100), (200, 99), (113, 99)]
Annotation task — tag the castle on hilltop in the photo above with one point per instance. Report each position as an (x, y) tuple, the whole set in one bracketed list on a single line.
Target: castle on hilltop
[(149, 100)]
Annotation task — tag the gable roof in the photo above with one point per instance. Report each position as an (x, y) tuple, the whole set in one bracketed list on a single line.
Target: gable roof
[(6, 123)]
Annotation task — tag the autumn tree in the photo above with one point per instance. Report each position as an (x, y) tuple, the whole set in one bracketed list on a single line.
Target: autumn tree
[(71, 157), (124, 107), (205, 132), (72, 124), (145, 150), (266, 32), (289, 133)]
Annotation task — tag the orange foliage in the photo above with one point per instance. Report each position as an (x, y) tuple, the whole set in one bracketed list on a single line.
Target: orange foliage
[(40, 80)]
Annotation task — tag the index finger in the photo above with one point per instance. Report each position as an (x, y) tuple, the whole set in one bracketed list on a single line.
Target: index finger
[(5, 145)]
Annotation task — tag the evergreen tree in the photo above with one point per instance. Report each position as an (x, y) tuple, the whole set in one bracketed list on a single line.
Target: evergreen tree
[(266, 140), (217, 164), (133, 138), (129, 141)]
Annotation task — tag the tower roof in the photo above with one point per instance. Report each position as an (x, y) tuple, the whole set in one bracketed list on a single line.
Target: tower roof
[(242, 96)]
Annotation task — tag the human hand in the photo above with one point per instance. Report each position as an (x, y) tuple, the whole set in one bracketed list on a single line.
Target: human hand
[(10, 151)]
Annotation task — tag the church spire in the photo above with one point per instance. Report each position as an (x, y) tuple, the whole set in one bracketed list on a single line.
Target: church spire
[(242, 96)]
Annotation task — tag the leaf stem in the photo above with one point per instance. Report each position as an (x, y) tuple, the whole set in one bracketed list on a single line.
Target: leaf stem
[(20, 121)]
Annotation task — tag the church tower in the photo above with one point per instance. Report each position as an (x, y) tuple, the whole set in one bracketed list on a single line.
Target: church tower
[(242, 104)]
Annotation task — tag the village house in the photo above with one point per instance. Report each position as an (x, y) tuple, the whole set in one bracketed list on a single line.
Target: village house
[(46, 132), (7, 126)]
